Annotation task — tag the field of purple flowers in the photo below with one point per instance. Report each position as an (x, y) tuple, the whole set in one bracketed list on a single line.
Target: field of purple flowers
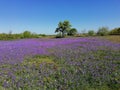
[(87, 63)]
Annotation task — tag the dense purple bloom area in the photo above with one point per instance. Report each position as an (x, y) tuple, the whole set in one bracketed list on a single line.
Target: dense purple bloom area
[(15, 51)]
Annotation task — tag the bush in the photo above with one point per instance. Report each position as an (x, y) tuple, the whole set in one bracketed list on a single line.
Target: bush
[(43, 35), (91, 32), (103, 31), (72, 32), (27, 34), (115, 31)]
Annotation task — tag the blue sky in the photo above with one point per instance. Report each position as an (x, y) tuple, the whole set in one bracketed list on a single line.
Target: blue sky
[(42, 16)]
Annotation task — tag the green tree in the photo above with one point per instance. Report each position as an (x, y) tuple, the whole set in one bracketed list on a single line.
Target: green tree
[(103, 31), (26, 34), (72, 32), (63, 28), (91, 32), (115, 31)]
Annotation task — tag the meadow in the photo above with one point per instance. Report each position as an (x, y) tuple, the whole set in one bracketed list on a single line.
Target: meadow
[(80, 63)]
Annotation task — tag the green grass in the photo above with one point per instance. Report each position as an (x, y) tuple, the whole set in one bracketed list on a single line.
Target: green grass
[(37, 60), (1, 88)]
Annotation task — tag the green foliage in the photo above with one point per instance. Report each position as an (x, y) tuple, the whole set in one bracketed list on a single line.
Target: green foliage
[(115, 31), (63, 27), (42, 35), (72, 32), (27, 34), (4, 36), (91, 32), (103, 31)]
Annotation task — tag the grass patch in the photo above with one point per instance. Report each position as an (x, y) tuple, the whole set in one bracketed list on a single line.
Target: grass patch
[(38, 59), (114, 38), (1, 88)]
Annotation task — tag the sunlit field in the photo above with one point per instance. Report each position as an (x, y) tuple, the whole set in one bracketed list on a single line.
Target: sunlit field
[(114, 38), (81, 63)]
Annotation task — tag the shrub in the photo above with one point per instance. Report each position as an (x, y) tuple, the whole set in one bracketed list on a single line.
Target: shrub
[(91, 32), (72, 32), (11, 36), (115, 31), (26, 34), (103, 31), (43, 35)]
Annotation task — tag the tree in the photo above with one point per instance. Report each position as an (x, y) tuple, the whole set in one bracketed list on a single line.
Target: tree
[(91, 32), (63, 27), (103, 31), (26, 34), (115, 31), (72, 31)]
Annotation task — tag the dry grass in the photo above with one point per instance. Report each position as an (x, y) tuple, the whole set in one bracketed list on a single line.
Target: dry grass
[(113, 38)]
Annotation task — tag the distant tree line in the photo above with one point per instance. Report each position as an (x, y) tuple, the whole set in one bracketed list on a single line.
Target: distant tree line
[(103, 31), (25, 34), (64, 28)]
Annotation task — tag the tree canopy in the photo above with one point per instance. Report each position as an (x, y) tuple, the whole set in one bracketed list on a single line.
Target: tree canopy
[(115, 31), (63, 28), (102, 31), (72, 31)]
